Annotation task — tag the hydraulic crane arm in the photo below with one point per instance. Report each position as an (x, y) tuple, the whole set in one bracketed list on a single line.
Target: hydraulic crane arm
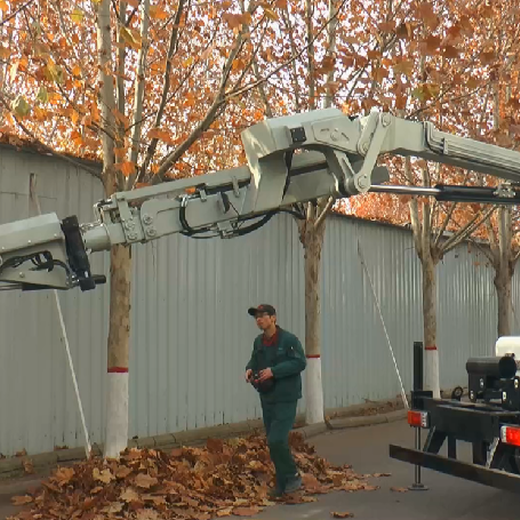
[(292, 159)]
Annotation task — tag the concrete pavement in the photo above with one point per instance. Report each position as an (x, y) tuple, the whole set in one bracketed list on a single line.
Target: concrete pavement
[(366, 449)]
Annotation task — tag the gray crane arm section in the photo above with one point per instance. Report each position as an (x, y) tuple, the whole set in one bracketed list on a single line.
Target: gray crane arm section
[(289, 160)]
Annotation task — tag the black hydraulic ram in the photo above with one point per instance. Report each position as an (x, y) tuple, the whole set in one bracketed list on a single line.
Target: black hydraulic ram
[(506, 194)]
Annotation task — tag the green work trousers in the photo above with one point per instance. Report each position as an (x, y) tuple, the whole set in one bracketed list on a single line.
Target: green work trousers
[(279, 419)]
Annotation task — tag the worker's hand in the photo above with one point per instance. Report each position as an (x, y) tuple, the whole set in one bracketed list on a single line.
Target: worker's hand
[(265, 374), (248, 375)]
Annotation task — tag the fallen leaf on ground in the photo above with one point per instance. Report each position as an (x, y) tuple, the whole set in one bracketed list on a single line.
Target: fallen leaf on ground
[(398, 489), (225, 512), (123, 472), (215, 445), (129, 495), (357, 485), (147, 514), (64, 475), (104, 476), (335, 514), (221, 479), (145, 481), (378, 475), (21, 500), (28, 466), (115, 507)]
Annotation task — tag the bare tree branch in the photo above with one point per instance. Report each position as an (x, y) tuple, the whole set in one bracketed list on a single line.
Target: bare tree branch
[(321, 217), (309, 11), (172, 48), (445, 223), (14, 13), (414, 210), (139, 87), (121, 57), (62, 24), (107, 98), (289, 29), (309, 216), (448, 216), (211, 114), (493, 239), (515, 258), (253, 59), (483, 249), (263, 95), (466, 231), (331, 52), (246, 88), (256, 71)]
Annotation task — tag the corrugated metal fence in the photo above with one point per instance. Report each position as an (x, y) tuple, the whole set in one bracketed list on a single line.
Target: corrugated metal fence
[(191, 336)]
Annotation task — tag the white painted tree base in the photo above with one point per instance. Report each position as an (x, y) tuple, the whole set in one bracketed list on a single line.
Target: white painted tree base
[(314, 412), (431, 372), (116, 438)]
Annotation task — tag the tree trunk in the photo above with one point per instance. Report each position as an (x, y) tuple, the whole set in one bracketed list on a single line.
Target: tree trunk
[(503, 286), (312, 240), (116, 434), (431, 354), (504, 267), (118, 345), (118, 348)]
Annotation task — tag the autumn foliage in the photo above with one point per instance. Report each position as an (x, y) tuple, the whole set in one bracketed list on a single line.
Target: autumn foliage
[(223, 478)]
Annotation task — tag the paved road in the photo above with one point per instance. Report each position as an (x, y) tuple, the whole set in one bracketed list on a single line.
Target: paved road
[(366, 449), (13, 488)]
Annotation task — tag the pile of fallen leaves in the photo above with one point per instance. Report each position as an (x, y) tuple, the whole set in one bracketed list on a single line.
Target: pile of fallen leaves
[(222, 479)]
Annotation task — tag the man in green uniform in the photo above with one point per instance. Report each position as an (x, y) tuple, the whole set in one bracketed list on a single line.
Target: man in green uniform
[(275, 370)]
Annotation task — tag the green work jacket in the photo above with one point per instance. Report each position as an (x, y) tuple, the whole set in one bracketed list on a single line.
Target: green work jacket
[(286, 359)]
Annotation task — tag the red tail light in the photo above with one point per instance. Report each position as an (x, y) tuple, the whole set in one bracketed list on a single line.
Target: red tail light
[(510, 435), (418, 419)]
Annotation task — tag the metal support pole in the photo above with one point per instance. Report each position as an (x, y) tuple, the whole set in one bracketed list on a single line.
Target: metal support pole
[(418, 367), (418, 377)]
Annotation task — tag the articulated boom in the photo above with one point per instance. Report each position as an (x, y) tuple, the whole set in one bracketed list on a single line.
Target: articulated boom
[(292, 159)]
